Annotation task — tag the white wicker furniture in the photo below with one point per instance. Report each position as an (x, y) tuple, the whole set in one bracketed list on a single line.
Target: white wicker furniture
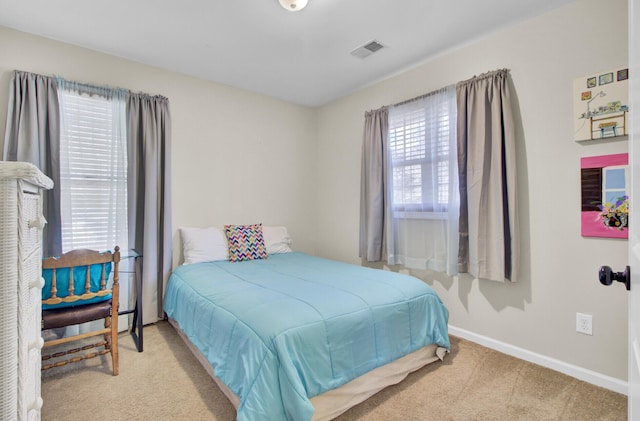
[(21, 223)]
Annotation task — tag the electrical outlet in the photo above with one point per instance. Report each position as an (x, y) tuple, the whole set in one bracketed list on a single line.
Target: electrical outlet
[(584, 324)]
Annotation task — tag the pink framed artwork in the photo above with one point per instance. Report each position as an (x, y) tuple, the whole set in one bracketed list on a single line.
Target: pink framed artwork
[(605, 195)]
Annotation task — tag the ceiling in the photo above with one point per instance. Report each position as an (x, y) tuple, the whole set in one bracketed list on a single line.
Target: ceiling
[(301, 57)]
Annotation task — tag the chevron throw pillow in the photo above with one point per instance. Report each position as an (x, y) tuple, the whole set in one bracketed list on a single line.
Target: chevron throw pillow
[(246, 242)]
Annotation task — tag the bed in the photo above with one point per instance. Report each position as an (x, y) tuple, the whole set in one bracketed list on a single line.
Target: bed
[(297, 337)]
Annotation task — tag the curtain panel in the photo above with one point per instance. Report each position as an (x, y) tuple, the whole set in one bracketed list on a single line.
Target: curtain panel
[(373, 185), (149, 187), (33, 135), (422, 210), (489, 232)]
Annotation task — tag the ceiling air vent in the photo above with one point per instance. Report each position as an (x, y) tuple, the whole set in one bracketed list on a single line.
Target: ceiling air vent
[(367, 49)]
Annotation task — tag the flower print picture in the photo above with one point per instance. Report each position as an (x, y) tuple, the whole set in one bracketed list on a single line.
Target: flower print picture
[(615, 214), (605, 195)]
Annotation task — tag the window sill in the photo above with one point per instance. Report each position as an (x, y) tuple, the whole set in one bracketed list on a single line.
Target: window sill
[(419, 215)]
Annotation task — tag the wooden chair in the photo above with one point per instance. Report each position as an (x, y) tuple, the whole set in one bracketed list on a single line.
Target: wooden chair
[(82, 301)]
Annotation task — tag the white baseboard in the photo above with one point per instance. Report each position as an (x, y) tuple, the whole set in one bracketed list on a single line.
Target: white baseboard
[(580, 373)]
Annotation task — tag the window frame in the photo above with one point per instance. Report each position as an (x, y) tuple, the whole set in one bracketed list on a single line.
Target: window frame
[(606, 189), (88, 122)]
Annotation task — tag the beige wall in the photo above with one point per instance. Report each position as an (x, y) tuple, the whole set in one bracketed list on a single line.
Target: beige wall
[(237, 157), (559, 274), (240, 157)]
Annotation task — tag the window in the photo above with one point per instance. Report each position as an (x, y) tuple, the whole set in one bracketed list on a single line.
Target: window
[(93, 170), (614, 183), (421, 149)]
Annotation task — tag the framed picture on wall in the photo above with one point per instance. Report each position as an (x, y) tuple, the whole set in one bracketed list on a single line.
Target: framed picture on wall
[(605, 187), (623, 74), (600, 111), (605, 78)]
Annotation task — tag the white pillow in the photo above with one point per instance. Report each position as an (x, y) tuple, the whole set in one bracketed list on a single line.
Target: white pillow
[(277, 240), (203, 245)]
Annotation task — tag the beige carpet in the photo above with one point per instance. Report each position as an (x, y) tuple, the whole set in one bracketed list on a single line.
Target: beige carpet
[(165, 382)]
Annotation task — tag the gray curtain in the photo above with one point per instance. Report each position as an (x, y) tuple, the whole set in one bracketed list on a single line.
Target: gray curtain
[(489, 239), (149, 191), (33, 135), (373, 193)]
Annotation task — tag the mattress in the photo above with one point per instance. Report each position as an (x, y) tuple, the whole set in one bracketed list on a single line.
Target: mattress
[(281, 331)]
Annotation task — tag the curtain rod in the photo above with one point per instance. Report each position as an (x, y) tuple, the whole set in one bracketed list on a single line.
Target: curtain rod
[(91, 89), (485, 75), (90, 86), (482, 76), (420, 97), (98, 89)]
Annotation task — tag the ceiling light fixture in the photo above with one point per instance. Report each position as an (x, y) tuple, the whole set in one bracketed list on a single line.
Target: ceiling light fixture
[(293, 5)]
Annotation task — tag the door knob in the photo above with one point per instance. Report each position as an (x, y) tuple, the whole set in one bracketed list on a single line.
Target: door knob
[(607, 276)]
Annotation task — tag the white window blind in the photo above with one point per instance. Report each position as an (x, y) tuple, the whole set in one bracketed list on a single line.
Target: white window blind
[(93, 171), (420, 138)]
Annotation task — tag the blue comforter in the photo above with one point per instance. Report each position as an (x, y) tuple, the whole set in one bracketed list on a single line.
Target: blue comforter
[(282, 330)]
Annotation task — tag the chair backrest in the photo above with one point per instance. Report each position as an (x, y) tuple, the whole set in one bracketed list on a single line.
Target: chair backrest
[(80, 302), (94, 288)]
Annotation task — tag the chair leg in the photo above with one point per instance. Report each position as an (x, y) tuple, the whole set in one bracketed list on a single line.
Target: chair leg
[(114, 344), (112, 341), (114, 351)]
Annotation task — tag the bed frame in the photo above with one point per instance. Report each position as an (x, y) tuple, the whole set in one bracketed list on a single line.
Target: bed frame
[(334, 402)]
